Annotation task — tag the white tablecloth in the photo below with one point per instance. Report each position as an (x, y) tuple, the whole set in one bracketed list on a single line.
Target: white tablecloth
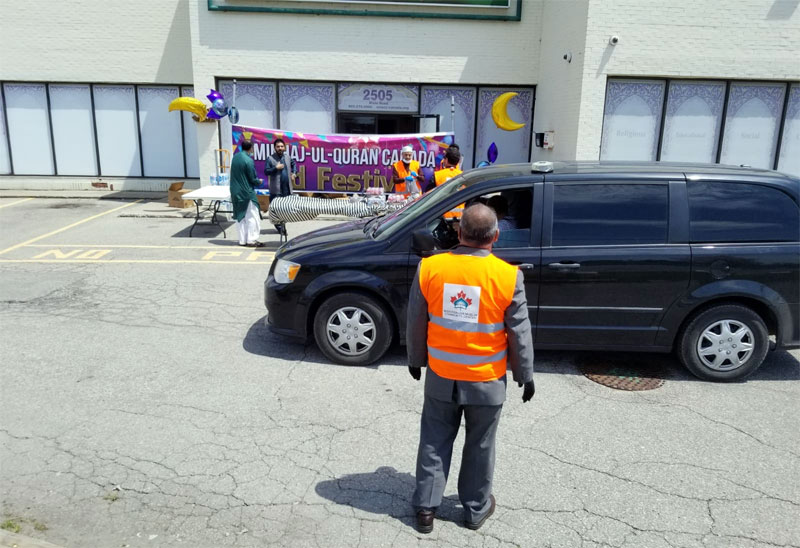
[(216, 192)]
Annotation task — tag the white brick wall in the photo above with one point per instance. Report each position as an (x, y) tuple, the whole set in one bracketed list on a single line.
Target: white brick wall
[(735, 39), (146, 41)]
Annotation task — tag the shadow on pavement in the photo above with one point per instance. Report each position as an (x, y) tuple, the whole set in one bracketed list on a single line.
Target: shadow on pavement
[(204, 230), (261, 341), (384, 491), (779, 365)]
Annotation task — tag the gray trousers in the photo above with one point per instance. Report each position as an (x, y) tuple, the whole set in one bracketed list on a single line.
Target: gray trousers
[(438, 430)]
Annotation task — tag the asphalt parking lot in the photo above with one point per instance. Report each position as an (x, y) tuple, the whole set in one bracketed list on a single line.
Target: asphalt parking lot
[(143, 403)]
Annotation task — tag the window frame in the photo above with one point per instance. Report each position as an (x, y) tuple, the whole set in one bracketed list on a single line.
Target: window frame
[(51, 136), (781, 121)]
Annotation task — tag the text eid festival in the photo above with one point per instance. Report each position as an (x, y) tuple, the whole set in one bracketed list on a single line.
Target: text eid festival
[(343, 163)]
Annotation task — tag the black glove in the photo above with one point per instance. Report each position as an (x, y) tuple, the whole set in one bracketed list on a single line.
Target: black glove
[(528, 392), (415, 372)]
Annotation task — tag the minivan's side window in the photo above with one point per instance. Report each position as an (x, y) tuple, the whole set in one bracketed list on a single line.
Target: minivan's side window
[(610, 214), (741, 212)]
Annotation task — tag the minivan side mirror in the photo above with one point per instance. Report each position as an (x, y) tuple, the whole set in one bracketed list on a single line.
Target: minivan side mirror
[(422, 242)]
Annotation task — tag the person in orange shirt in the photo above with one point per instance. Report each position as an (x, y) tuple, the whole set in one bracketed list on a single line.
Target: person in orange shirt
[(449, 167), (406, 170), (450, 161), (457, 149)]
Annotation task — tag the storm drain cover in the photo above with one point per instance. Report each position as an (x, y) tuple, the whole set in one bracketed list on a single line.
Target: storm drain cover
[(623, 376)]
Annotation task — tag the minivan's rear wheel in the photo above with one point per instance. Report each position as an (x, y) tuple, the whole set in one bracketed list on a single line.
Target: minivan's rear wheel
[(724, 343), (352, 329)]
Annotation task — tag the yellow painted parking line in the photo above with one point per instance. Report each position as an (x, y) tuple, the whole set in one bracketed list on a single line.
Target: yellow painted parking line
[(127, 261), (125, 246), (15, 203), (36, 239)]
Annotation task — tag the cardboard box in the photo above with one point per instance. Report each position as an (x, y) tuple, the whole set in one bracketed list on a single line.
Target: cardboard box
[(175, 196), (263, 202)]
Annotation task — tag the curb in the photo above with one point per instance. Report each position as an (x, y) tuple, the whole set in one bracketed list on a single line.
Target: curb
[(15, 540), (91, 194)]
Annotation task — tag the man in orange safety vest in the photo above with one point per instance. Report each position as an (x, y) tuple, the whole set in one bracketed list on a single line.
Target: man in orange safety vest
[(468, 321)]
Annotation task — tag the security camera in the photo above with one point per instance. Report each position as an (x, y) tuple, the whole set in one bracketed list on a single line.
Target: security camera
[(614, 40)]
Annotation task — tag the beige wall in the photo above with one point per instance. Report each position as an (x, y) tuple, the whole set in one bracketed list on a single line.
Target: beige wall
[(370, 49), (107, 41), (558, 95)]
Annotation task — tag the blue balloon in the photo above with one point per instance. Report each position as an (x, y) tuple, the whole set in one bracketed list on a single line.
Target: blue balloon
[(484, 163), (492, 153), (233, 115)]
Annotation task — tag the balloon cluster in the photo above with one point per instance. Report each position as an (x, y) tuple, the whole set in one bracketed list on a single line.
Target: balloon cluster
[(220, 109)]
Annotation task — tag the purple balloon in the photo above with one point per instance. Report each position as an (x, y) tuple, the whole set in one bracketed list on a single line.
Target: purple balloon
[(492, 153), (214, 95)]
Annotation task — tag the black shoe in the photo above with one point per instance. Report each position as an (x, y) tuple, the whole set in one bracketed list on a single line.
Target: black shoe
[(478, 524), (425, 520)]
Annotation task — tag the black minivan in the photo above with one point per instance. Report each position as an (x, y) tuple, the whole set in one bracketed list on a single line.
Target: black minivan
[(703, 260)]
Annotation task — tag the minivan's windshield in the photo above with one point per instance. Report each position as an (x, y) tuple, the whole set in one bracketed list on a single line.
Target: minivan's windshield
[(433, 200)]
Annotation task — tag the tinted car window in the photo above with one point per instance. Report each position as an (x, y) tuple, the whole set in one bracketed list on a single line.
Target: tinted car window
[(609, 214), (431, 201), (741, 212)]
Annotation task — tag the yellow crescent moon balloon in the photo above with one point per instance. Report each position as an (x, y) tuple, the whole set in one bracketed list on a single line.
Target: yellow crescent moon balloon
[(500, 112), (189, 104)]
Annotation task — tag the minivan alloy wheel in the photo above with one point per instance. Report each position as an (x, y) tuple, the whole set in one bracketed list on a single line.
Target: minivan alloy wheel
[(351, 331), (725, 345)]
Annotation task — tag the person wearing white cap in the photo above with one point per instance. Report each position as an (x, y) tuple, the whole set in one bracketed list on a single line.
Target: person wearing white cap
[(406, 170)]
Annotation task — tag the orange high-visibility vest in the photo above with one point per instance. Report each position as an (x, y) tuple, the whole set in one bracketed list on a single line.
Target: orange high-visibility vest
[(467, 297), (443, 175), (402, 172)]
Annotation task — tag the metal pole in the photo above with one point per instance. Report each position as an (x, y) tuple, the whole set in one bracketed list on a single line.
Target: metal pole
[(453, 114)]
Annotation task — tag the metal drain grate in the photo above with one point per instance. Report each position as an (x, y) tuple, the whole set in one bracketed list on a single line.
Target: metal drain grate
[(623, 377)]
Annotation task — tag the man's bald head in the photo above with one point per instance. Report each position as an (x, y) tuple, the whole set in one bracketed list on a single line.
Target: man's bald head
[(478, 226)]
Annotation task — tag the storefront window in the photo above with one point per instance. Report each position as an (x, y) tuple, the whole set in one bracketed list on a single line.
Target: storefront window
[(255, 102), (789, 161), (692, 121), (117, 131), (437, 100), (632, 120), (162, 149), (307, 108), (190, 138), (73, 129), (512, 146), (5, 160), (29, 128), (751, 124)]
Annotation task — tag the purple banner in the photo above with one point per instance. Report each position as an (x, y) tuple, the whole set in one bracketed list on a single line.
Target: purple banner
[(344, 163)]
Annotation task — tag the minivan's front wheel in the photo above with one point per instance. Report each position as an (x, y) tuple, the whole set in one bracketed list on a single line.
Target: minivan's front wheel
[(352, 329), (724, 343)]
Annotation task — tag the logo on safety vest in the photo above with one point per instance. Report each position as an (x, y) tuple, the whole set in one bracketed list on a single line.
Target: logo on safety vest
[(461, 302)]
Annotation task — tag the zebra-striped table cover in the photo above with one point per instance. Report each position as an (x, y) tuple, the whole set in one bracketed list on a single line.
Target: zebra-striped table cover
[(293, 209)]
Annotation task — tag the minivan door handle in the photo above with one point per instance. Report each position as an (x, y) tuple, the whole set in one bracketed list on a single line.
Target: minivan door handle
[(523, 266), (564, 266)]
